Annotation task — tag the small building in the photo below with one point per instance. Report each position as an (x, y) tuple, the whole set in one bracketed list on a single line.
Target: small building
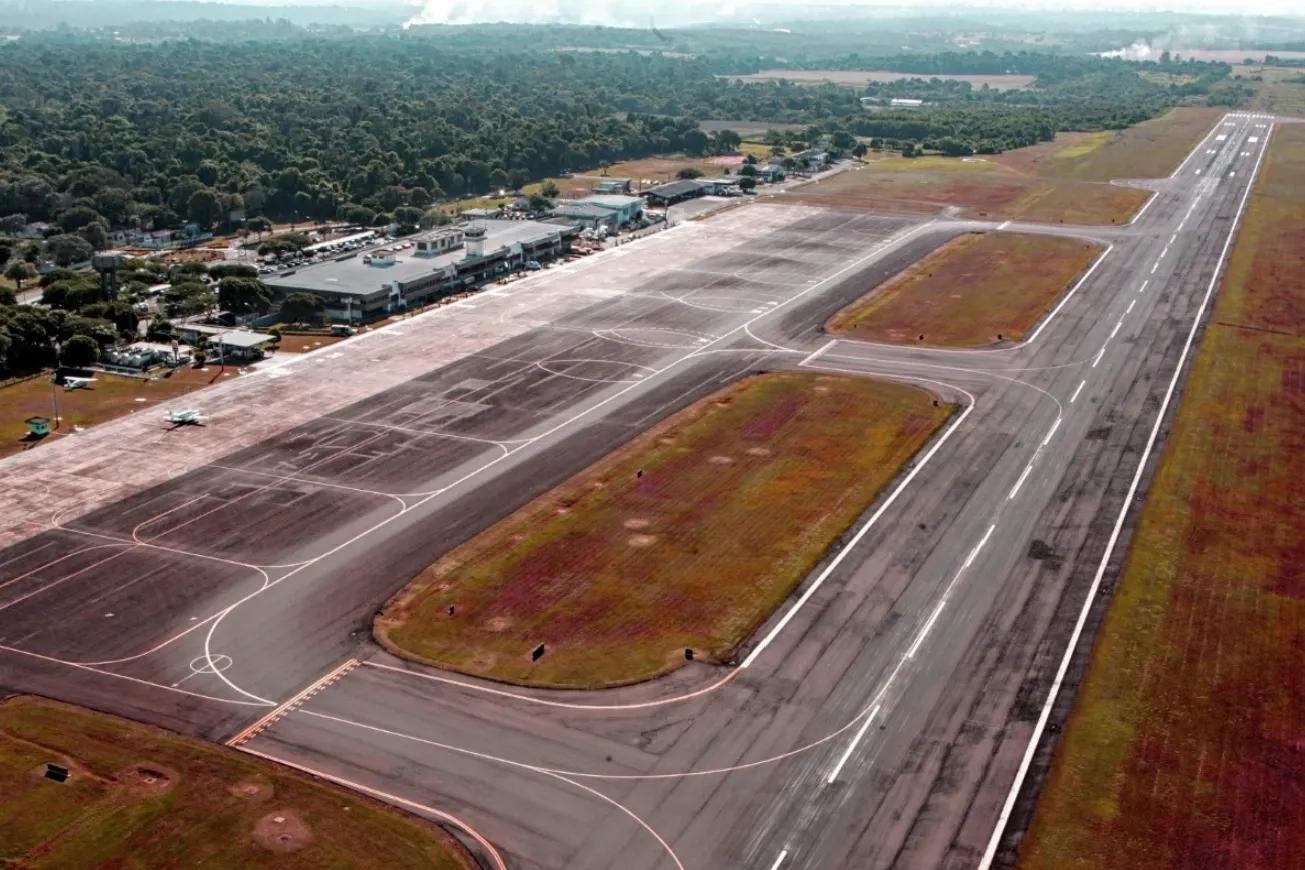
[(627, 209), (724, 186), (613, 185), (473, 214), (585, 216), (38, 427), (811, 160), (770, 173), (673, 192), (241, 345)]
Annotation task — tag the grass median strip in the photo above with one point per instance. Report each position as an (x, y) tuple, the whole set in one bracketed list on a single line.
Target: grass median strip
[(1185, 747), (688, 537), (978, 289), (141, 797)]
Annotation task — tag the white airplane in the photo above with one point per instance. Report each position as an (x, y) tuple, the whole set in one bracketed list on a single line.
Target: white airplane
[(77, 383), (187, 417)]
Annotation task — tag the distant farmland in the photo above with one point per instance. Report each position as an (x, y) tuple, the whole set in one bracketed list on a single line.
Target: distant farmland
[(856, 78)]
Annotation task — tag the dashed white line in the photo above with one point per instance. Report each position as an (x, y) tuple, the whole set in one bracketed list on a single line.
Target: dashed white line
[(847, 753), (1129, 309), (1173, 238), (1077, 390), (1115, 331), (990, 853), (1014, 490), (1156, 266), (1097, 358), (1143, 287), (1045, 442), (1165, 251), (779, 859), (988, 534)]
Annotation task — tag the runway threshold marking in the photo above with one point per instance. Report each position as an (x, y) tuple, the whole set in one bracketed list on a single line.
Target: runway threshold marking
[(1077, 390), (999, 829), (289, 706)]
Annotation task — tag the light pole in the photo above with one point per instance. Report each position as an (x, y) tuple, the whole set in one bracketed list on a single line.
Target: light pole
[(54, 383)]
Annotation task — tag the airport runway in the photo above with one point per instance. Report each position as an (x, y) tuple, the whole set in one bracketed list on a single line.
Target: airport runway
[(882, 718)]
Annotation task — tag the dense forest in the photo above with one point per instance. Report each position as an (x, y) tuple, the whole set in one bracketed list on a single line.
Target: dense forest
[(97, 135)]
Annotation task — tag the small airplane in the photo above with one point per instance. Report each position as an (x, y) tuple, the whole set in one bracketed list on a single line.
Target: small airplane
[(70, 383), (187, 417)]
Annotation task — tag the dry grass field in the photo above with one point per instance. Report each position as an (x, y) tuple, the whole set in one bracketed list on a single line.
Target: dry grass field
[(1053, 182), (688, 537), (1278, 89), (108, 396), (857, 78), (141, 797), (980, 188), (1151, 149), (1186, 745), (979, 289)]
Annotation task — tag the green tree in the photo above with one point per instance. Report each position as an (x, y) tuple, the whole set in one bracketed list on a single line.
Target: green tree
[(243, 296), (204, 208), (20, 271), (747, 182), (80, 350), (303, 308), (65, 249), (537, 203), (549, 189), (689, 172)]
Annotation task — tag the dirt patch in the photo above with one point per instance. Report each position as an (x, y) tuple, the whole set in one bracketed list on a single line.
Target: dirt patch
[(634, 523), (251, 789), (641, 540), (282, 831), (146, 779), (721, 460), (765, 451)]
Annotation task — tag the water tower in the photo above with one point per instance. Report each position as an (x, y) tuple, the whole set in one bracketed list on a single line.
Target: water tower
[(107, 263)]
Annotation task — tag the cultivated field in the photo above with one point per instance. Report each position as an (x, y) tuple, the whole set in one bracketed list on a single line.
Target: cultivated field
[(1185, 745), (860, 78), (142, 797), (979, 289), (689, 537), (108, 396)]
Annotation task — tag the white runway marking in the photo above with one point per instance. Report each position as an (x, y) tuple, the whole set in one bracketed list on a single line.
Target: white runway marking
[(779, 859), (1077, 390), (1097, 358), (1142, 288), (1131, 303), (1014, 490), (847, 753), (1017, 785)]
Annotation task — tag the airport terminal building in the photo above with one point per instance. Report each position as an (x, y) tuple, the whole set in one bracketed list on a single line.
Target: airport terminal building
[(367, 285)]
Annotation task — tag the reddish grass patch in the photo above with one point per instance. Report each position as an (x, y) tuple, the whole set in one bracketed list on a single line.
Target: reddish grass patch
[(1186, 746), (695, 553), (973, 289)]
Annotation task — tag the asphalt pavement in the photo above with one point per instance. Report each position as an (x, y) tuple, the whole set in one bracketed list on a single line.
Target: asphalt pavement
[(887, 715)]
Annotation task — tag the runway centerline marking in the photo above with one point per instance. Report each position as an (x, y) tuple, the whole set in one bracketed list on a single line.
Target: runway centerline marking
[(1097, 358), (1014, 490), (779, 859), (999, 829), (1045, 442), (1077, 390), (842, 760)]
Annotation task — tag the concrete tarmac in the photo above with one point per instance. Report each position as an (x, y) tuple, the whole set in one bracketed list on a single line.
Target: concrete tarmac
[(879, 719)]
